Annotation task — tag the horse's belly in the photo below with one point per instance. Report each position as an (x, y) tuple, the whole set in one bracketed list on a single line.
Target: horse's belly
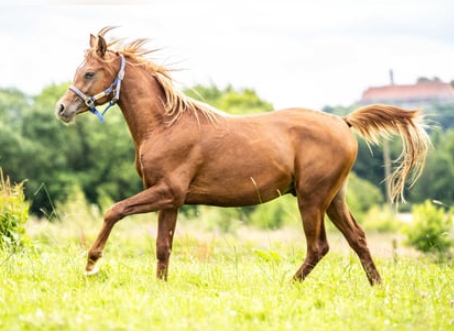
[(244, 190)]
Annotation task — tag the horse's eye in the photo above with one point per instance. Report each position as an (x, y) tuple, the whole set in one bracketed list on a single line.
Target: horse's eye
[(89, 75)]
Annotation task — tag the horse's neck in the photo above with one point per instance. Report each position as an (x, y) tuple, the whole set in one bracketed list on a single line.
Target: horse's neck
[(141, 101)]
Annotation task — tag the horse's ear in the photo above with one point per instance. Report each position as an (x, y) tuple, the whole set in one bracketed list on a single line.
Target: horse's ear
[(102, 46), (92, 41)]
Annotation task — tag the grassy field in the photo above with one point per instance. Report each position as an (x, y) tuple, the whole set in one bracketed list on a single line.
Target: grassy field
[(217, 282)]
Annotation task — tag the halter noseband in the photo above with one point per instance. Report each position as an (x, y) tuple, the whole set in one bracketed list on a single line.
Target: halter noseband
[(115, 88)]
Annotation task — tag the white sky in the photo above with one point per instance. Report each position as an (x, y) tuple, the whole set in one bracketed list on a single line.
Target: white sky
[(293, 53)]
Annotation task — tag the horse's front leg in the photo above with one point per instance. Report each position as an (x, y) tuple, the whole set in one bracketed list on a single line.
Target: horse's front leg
[(159, 197), (167, 220)]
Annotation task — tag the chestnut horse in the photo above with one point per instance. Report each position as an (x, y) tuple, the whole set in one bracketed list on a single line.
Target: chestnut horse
[(189, 153)]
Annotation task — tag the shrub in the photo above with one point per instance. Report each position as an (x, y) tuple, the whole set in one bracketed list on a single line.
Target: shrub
[(274, 214), (362, 196), (430, 229), (223, 220), (13, 213), (381, 220)]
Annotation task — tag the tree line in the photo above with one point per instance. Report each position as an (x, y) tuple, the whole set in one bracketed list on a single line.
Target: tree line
[(98, 158)]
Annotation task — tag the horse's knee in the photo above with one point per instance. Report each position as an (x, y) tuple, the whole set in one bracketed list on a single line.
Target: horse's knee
[(113, 214)]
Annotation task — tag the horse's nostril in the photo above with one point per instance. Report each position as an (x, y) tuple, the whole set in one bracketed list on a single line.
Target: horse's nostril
[(61, 108)]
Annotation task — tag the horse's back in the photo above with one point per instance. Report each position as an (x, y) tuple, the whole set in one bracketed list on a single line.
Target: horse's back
[(318, 131)]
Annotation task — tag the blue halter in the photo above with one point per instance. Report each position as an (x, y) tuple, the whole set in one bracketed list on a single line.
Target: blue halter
[(114, 88)]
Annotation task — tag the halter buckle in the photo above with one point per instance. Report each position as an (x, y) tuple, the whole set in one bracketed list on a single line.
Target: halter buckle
[(90, 102)]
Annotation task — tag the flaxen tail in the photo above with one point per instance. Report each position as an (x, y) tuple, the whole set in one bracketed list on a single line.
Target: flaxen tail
[(375, 121)]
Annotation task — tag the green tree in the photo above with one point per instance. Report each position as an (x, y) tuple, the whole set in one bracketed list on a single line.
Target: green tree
[(438, 176), (13, 105), (54, 159), (362, 195), (441, 115), (46, 153), (230, 100), (340, 110), (15, 148)]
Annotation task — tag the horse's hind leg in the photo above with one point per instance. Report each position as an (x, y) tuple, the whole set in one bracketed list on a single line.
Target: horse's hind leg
[(342, 218), (314, 229)]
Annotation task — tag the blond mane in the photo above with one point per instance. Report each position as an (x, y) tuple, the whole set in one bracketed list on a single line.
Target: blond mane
[(176, 103)]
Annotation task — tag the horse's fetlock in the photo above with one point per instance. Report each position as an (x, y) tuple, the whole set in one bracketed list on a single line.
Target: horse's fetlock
[(324, 249), (94, 256), (163, 253)]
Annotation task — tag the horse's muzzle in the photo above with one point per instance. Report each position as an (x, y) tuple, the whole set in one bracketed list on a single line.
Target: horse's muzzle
[(63, 113)]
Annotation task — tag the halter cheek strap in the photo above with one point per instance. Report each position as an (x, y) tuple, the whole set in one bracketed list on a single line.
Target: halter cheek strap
[(114, 88)]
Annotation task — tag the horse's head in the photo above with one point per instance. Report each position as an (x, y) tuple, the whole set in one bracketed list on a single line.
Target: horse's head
[(97, 81)]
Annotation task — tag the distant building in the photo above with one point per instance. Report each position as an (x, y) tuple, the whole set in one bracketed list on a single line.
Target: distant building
[(421, 95)]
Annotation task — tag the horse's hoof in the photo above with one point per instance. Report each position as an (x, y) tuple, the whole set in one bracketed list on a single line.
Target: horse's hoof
[(93, 271)]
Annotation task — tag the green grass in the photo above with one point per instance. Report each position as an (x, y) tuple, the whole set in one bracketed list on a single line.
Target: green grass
[(216, 283)]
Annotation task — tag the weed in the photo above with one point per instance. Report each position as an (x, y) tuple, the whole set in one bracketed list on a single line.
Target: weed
[(13, 214)]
